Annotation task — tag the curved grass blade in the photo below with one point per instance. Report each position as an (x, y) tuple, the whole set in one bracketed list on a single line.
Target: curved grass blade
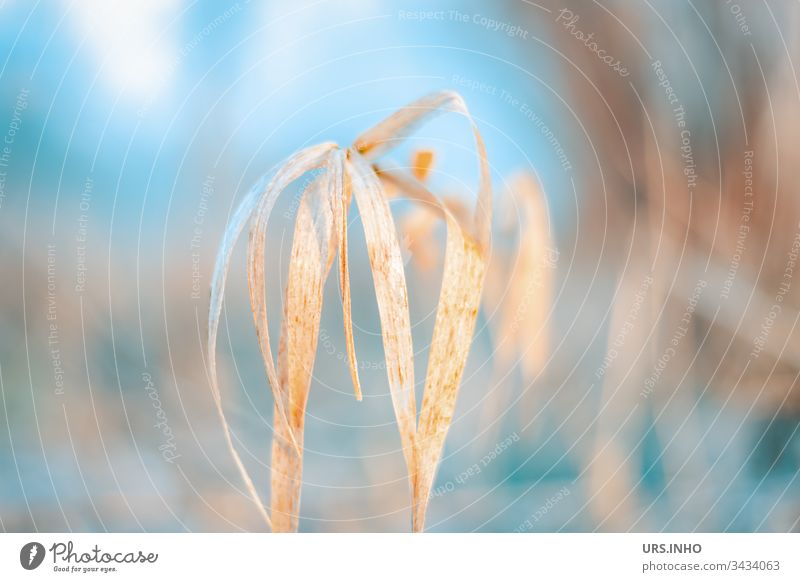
[(466, 256), (459, 299), (300, 163), (341, 203), (232, 233), (243, 213), (391, 293), (311, 257), (390, 132)]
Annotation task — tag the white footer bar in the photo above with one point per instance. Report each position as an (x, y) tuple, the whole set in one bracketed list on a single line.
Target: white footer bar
[(355, 557)]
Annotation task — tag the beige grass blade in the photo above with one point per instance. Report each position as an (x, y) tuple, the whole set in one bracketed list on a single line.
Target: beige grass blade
[(390, 132), (241, 216), (297, 165), (341, 204), (391, 293), (466, 255), (459, 300), (312, 255), (232, 233)]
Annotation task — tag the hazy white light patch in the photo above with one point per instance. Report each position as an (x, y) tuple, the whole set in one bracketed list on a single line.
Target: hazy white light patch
[(131, 35)]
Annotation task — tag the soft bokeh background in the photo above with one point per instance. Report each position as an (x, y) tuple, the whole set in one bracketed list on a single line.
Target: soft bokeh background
[(668, 397)]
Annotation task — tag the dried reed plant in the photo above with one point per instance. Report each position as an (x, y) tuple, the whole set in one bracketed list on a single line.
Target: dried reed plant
[(320, 233), (523, 281)]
